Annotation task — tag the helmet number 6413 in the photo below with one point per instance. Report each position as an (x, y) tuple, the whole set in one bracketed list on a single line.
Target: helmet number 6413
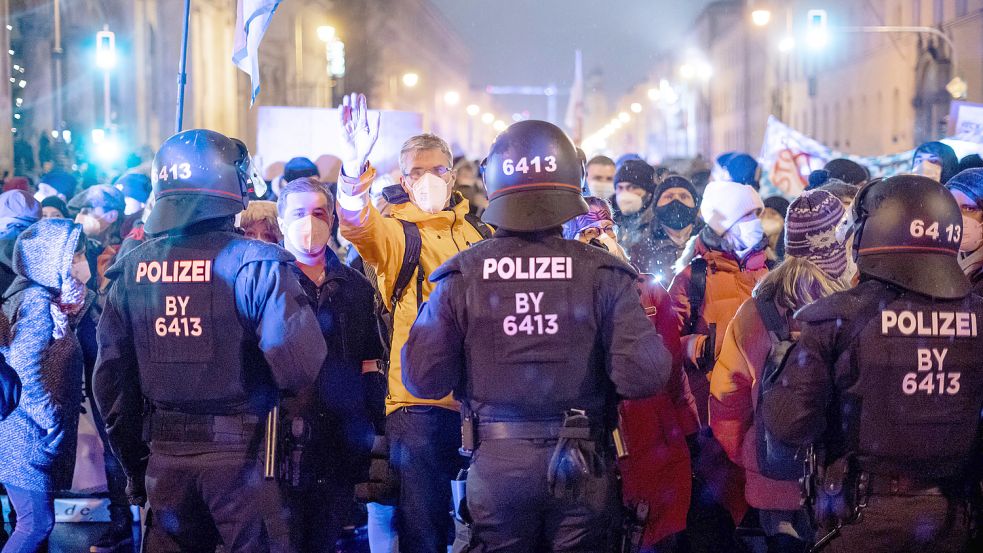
[(537, 164)]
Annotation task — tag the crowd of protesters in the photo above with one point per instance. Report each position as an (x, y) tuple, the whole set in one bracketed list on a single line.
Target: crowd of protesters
[(717, 264)]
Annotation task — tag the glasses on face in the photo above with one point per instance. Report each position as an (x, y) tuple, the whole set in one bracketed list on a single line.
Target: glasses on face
[(595, 231), (417, 172)]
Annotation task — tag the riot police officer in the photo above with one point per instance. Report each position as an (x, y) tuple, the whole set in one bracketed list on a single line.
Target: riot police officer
[(538, 336), (201, 331), (886, 379)]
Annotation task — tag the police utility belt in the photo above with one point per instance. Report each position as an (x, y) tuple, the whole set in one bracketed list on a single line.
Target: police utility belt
[(169, 426), (473, 431)]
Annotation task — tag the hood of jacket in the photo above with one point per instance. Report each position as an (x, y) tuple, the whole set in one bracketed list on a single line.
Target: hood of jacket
[(43, 253)]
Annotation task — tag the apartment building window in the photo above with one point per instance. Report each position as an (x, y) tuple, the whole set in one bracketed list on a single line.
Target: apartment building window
[(938, 13)]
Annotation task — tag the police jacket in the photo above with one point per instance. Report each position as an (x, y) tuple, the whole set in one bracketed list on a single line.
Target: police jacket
[(201, 321), (381, 243), (529, 326), (335, 407), (888, 375)]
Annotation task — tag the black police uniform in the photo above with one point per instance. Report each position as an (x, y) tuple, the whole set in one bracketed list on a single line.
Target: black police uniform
[(538, 336), (886, 379), (201, 330)]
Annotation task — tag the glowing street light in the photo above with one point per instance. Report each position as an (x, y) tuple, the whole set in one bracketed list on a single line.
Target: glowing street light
[(761, 18), (325, 33), (473, 110), (487, 118), (105, 50), (499, 126), (636, 108), (817, 34), (411, 79), (624, 117), (654, 94), (687, 71), (452, 98), (786, 45)]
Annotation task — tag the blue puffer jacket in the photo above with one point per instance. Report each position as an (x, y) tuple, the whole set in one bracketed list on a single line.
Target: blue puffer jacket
[(38, 440)]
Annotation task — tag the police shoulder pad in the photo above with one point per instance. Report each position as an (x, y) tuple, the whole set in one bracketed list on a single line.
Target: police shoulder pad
[(846, 305), (119, 262), (256, 251), (452, 265)]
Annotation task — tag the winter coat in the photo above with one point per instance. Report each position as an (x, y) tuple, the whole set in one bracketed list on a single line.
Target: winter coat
[(38, 440), (381, 243), (657, 469), (734, 399), (634, 234), (729, 283), (656, 253)]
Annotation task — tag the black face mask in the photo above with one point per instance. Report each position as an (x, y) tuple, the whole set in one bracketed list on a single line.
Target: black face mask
[(676, 215)]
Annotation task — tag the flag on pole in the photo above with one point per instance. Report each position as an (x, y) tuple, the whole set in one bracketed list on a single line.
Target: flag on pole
[(574, 119), (252, 19)]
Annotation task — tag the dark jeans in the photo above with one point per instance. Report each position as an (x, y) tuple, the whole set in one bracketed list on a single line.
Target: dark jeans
[(423, 448), (35, 520), (317, 515), (201, 500), (905, 524), (513, 510)]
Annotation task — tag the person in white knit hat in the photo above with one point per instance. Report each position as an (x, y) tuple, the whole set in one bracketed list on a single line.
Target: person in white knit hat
[(716, 274)]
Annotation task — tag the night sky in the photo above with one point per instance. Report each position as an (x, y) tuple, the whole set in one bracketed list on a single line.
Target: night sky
[(532, 42)]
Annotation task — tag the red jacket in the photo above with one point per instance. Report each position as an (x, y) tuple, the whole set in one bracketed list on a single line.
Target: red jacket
[(657, 468)]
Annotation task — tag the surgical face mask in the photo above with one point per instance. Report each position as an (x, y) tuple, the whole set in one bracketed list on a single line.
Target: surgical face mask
[(628, 202), (600, 189), (430, 193), (676, 215), (745, 235), (309, 234), (972, 237), (92, 225)]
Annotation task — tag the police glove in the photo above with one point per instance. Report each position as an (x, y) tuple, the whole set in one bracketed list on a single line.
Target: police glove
[(136, 490), (383, 484)]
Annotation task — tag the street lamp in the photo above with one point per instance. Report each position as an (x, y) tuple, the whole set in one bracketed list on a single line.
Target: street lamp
[(334, 51), (452, 97), (786, 45), (325, 33), (761, 17), (499, 126), (410, 79), (624, 117), (636, 108), (817, 33), (487, 118), (473, 110), (105, 60)]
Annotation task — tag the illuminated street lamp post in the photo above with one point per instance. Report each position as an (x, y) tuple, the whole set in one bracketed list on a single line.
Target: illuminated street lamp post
[(334, 51), (106, 60)]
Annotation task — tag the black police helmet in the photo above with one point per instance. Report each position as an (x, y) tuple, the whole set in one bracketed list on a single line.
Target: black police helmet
[(198, 175), (907, 233), (533, 175)]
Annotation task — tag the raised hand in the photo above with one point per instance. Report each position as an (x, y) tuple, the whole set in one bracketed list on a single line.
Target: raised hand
[(358, 137)]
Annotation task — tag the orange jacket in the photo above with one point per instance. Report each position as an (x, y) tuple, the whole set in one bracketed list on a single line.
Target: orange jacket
[(733, 399)]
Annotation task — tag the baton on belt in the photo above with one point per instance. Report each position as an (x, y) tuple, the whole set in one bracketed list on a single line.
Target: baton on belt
[(272, 438)]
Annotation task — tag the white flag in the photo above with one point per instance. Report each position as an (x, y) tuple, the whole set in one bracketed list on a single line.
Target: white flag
[(252, 19)]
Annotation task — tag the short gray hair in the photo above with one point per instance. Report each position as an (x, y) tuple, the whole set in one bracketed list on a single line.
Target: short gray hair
[(425, 141)]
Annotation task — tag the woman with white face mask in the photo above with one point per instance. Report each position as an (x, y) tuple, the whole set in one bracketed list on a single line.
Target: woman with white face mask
[(967, 188)]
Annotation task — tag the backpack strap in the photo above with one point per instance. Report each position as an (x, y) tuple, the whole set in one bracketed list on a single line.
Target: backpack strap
[(410, 264), (479, 225), (776, 324), (696, 292)]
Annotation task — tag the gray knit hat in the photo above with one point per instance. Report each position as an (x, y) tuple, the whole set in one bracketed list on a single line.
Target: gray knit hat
[(810, 231)]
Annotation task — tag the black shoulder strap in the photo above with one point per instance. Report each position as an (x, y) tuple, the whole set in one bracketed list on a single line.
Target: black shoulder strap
[(696, 292), (479, 225), (411, 261), (774, 322)]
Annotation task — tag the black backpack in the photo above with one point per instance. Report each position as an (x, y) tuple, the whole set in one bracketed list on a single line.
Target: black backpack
[(776, 460)]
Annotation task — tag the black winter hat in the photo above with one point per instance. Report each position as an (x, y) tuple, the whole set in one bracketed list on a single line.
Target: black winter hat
[(970, 183), (777, 203), (299, 167), (57, 203), (971, 161), (847, 170), (638, 173), (676, 181)]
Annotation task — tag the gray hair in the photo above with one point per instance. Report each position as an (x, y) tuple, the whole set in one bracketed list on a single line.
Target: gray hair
[(425, 141)]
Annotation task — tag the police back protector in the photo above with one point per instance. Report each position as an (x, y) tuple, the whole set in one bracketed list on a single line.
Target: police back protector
[(912, 404), (532, 327), (194, 353)]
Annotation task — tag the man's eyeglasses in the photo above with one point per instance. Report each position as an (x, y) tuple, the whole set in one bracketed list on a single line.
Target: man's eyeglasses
[(417, 173)]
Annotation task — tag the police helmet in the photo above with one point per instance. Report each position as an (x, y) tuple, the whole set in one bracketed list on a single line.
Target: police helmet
[(199, 175), (908, 229), (533, 176)]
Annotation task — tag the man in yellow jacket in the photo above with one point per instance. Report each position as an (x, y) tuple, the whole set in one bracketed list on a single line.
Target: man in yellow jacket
[(424, 435)]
